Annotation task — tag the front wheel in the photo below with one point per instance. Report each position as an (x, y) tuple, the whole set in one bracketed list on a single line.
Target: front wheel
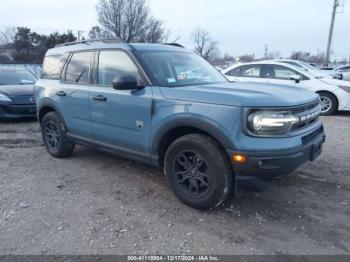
[(54, 137), (329, 103), (198, 171)]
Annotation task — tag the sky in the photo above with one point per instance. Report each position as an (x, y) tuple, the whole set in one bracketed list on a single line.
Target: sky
[(239, 26)]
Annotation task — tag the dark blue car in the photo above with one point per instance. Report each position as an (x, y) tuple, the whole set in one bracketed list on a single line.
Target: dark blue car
[(16, 93)]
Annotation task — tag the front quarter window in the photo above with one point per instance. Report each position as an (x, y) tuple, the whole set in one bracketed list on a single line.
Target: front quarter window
[(173, 68)]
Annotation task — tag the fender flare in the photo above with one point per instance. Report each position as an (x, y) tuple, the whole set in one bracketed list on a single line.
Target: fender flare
[(50, 104), (198, 122)]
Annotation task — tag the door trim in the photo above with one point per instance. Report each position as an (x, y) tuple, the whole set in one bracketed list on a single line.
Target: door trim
[(116, 150)]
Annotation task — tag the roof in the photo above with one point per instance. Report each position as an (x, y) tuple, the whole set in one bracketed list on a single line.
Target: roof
[(93, 45), (267, 62)]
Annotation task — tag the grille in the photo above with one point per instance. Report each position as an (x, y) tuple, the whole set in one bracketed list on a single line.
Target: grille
[(20, 110), (308, 114)]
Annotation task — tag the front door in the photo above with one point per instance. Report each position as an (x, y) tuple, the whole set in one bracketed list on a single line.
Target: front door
[(278, 74), (120, 118)]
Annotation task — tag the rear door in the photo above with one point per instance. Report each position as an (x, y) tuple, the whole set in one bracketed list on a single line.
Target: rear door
[(73, 93), (120, 118)]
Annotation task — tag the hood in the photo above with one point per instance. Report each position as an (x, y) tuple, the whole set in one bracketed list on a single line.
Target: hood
[(319, 73), (335, 82), (242, 94), (17, 90)]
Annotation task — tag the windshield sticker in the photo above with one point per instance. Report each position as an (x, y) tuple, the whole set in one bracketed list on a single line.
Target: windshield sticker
[(171, 80)]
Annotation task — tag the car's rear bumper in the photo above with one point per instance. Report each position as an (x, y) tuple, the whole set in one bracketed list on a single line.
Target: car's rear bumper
[(262, 168), (10, 111)]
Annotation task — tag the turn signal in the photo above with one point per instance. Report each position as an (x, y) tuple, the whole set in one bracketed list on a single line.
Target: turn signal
[(239, 158)]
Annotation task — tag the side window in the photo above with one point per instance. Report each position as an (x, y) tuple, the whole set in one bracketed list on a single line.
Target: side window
[(251, 71), (234, 72), (78, 68), (113, 64), (346, 69), (53, 65), (281, 72)]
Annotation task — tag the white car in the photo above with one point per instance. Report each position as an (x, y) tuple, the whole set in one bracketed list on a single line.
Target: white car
[(311, 69), (345, 71), (334, 94)]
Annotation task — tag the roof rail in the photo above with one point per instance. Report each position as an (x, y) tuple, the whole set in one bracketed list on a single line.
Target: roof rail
[(175, 44), (109, 40)]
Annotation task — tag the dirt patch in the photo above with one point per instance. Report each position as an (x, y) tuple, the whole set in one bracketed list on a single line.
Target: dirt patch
[(95, 203)]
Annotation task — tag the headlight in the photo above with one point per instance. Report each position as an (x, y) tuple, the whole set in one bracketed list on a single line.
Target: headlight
[(345, 88), (4, 98), (271, 122)]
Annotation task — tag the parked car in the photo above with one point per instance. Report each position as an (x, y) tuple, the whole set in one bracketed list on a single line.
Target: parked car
[(16, 93), (209, 136), (311, 69), (335, 94), (345, 71)]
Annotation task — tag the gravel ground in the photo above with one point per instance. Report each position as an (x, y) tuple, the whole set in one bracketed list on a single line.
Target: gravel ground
[(95, 203)]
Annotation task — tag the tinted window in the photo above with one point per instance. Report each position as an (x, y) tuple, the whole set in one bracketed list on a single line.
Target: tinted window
[(172, 69), (16, 77), (234, 72), (280, 72), (113, 64), (345, 69), (53, 65), (78, 68), (292, 63), (251, 71)]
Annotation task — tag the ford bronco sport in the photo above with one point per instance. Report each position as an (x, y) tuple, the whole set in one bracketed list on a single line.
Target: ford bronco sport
[(166, 106)]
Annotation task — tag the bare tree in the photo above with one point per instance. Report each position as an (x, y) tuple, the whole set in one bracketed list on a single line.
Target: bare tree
[(7, 36), (203, 43), (130, 20), (97, 33)]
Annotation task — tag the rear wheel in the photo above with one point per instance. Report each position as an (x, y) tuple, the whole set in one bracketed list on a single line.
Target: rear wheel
[(329, 103), (198, 171), (54, 137)]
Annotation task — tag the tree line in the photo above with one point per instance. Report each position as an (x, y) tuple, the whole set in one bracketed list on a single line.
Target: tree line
[(131, 21)]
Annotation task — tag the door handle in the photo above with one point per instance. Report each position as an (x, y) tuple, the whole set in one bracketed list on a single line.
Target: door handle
[(61, 93), (99, 98)]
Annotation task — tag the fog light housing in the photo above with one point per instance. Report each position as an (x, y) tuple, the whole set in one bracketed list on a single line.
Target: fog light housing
[(239, 158)]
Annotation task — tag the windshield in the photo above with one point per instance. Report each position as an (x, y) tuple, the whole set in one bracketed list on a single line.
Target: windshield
[(16, 77), (173, 69), (308, 66)]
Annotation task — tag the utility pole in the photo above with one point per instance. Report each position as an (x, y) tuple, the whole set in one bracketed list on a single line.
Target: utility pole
[(330, 36), (266, 51), (80, 33)]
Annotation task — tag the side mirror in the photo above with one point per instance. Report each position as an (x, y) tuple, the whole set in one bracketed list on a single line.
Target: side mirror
[(296, 78), (126, 82)]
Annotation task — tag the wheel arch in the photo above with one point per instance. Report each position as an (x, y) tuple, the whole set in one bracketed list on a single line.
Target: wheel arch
[(178, 128), (331, 93), (47, 107)]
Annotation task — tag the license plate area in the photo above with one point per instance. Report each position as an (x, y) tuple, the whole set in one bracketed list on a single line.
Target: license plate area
[(316, 151)]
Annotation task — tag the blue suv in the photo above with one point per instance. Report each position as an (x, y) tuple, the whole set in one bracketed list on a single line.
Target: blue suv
[(166, 106)]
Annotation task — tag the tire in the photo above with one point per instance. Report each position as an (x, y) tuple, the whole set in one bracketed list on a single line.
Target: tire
[(198, 171), (329, 103), (54, 137)]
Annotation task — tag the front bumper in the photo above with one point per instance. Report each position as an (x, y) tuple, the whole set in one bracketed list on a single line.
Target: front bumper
[(12, 111), (262, 168)]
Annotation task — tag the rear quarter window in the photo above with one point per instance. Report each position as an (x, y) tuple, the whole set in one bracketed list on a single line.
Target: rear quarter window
[(53, 66)]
